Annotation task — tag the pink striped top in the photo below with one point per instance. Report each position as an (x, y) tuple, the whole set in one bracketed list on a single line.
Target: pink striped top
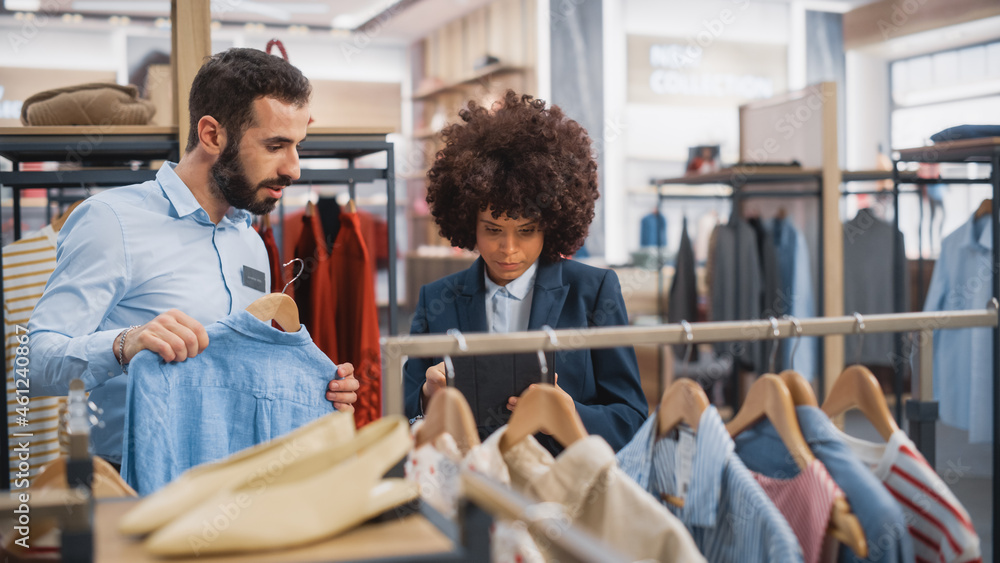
[(805, 501), (940, 526)]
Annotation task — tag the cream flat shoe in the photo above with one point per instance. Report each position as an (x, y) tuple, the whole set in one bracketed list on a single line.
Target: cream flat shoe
[(198, 483), (312, 498)]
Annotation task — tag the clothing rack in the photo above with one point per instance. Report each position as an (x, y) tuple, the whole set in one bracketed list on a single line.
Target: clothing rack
[(395, 349), (107, 157), (984, 150), (737, 178)]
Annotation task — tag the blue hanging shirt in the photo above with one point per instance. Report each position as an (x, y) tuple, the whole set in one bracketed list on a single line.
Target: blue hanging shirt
[(881, 517), (251, 384), (727, 512)]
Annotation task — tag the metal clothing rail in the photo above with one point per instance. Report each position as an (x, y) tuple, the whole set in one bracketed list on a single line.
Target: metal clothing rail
[(395, 349)]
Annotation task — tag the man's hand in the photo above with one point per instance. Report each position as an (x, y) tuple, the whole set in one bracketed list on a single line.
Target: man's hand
[(342, 392), (512, 401), (436, 379), (173, 335)]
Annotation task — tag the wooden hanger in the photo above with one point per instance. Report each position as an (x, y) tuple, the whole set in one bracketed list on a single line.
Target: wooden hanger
[(449, 413), (59, 221), (857, 387), (278, 307), (801, 391), (544, 408), (684, 401), (310, 209), (985, 208), (770, 398), (265, 221), (351, 206)]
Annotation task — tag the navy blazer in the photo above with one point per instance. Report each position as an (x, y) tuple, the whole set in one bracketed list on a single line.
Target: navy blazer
[(604, 383)]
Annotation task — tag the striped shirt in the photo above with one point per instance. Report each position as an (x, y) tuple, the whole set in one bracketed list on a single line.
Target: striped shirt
[(940, 526), (27, 265), (806, 501), (727, 512)]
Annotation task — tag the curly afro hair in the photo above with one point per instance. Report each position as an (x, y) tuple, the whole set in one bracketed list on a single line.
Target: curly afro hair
[(518, 159)]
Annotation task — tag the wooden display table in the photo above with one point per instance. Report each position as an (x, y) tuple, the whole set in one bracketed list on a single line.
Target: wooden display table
[(408, 536)]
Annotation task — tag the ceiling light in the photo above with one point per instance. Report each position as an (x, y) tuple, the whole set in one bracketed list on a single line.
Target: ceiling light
[(216, 25), (22, 5)]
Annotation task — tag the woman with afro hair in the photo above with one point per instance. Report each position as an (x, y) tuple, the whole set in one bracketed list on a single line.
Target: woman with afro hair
[(517, 182)]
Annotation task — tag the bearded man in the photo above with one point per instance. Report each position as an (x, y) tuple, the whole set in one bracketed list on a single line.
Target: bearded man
[(146, 266)]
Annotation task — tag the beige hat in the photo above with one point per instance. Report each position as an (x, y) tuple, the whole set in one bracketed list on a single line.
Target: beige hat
[(88, 104)]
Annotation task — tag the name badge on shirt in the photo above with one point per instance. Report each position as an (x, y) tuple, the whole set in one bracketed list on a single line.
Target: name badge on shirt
[(254, 279)]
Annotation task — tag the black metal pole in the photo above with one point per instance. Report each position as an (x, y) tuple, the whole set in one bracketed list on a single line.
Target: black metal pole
[(390, 187), (898, 263)]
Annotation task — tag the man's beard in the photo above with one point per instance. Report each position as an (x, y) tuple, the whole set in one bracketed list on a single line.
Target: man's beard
[(230, 181)]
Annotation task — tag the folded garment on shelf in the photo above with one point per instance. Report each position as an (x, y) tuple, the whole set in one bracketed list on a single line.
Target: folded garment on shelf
[(88, 104)]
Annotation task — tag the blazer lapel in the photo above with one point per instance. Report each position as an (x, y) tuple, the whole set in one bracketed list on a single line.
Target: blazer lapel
[(549, 296), (471, 300)]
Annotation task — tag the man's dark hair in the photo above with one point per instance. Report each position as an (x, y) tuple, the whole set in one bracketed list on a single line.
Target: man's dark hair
[(229, 82), (517, 158)]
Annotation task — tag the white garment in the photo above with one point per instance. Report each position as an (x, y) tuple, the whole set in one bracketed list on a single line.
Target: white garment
[(599, 498), (435, 468)]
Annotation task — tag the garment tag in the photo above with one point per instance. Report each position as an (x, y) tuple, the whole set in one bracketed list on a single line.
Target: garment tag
[(684, 461), (254, 279)]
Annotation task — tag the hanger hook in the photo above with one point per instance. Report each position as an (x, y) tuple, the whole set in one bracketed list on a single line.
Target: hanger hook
[(449, 371), (689, 338), (775, 333), (302, 268), (859, 329), (993, 305), (542, 362), (449, 367), (798, 338)]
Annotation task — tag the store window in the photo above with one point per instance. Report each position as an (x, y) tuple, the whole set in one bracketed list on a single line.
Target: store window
[(931, 93)]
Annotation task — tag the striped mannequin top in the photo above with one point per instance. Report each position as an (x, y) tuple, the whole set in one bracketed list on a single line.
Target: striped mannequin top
[(27, 265)]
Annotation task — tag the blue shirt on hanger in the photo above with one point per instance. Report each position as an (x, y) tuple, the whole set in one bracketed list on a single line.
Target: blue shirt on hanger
[(253, 384), (725, 509), (963, 358), (880, 515), (123, 257)]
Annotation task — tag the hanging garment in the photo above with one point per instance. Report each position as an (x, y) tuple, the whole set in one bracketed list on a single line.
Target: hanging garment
[(599, 499), (653, 230), (253, 383), (940, 526), (27, 264), (682, 301), (806, 499), (435, 468), (796, 292), (314, 281), (737, 285), (966, 132), (873, 250), (963, 358), (729, 516), (273, 259), (881, 517), (356, 315), (771, 304)]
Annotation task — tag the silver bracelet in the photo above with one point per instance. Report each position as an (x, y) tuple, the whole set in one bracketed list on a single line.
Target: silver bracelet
[(121, 349)]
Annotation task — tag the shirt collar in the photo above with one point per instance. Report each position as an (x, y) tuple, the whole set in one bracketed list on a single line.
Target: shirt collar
[(184, 202), (984, 227), (517, 288)]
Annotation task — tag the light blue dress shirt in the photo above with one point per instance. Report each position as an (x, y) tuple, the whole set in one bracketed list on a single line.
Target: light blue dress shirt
[(255, 383), (880, 515), (123, 257), (727, 512), (963, 358), (796, 292), (508, 307)]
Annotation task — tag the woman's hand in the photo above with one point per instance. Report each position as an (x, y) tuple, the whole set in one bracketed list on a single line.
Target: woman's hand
[(512, 401), (436, 380)]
